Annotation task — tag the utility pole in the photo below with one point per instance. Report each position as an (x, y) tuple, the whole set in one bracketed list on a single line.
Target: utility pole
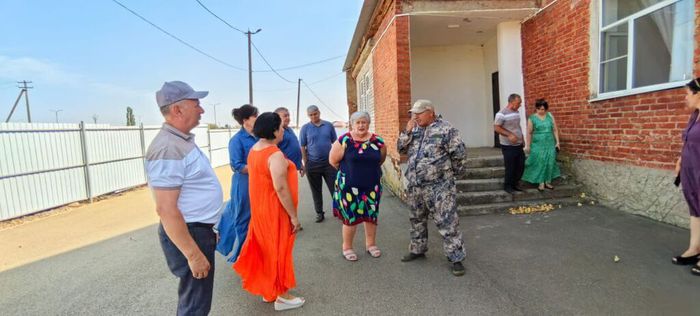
[(94, 118), (250, 67), (214, 105), (56, 112), (24, 90), (26, 98), (298, 98)]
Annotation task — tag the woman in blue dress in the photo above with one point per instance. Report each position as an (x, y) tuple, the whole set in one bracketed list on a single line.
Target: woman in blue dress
[(358, 155), (233, 226)]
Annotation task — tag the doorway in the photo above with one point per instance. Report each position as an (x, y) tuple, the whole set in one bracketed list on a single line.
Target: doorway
[(496, 105)]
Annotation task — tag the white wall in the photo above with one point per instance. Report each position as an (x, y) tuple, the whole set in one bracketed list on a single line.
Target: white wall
[(453, 78), (42, 165), (490, 66), (510, 65)]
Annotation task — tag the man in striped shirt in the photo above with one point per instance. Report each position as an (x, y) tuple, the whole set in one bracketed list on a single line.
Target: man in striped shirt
[(507, 125), (188, 197)]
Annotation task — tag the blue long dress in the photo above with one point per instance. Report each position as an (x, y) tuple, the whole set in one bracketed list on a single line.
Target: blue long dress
[(233, 226)]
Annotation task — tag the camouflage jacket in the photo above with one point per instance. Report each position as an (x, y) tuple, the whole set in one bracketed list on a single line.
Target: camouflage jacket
[(435, 153)]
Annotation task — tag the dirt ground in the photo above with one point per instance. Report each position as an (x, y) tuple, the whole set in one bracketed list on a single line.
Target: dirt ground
[(53, 232)]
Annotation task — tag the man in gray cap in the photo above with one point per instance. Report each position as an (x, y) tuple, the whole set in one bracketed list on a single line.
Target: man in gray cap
[(188, 197), (436, 155)]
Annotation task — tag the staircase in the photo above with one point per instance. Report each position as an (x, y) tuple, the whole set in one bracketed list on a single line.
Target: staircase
[(480, 191)]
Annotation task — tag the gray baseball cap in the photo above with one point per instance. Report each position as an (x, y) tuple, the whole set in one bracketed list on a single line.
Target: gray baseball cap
[(421, 106), (174, 91)]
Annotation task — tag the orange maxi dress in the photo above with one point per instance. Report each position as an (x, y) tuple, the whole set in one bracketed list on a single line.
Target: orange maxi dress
[(265, 263)]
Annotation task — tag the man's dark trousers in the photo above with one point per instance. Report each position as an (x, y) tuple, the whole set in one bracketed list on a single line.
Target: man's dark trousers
[(514, 160), (194, 295), (317, 172)]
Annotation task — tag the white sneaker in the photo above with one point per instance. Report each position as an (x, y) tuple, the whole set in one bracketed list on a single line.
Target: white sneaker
[(266, 301), (282, 304)]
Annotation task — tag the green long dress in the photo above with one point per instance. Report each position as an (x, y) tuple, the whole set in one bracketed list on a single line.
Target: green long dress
[(541, 166)]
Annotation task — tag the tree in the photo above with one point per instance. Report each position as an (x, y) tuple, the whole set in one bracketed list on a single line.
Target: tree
[(130, 118)]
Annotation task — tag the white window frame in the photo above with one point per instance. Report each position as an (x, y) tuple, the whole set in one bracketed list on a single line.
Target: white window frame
[(365, 91), (629, 20)]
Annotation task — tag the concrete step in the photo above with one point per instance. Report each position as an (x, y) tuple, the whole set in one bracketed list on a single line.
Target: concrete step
[(530, 194), (482, 162), (501, 208), (484, 173), (476, 185), (484, 197), (560, 191)]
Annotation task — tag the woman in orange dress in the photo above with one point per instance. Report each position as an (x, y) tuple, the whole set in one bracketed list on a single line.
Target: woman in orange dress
[(265, 263)]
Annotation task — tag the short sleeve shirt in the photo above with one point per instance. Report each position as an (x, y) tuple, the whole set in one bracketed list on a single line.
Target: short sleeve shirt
[(509, 120), (174, 161), (318, 140)]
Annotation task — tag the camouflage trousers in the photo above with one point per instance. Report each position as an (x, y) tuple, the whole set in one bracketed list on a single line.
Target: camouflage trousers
[(439, 202)]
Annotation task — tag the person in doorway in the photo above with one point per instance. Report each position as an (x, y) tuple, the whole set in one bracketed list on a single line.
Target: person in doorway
[(507, 125), (233, 227), (358, 155), (542, 145), (436, 156), (188, 197), (316, 139)]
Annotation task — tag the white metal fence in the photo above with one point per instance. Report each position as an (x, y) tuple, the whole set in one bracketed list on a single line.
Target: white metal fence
[(43, 166)]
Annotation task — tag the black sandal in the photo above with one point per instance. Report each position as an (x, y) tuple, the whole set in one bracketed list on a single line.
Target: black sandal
[(686, 261), (695, 270)]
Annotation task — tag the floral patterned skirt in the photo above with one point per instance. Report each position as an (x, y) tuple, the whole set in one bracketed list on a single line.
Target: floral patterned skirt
[(355, 205)]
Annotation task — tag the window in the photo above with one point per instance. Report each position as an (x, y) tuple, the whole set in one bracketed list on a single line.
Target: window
[(365, 91), (645, 44)]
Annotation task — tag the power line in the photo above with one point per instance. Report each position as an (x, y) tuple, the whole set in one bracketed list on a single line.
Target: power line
[(319, 99), (178, 39), (216, 16), (327, 78), (310, 83), (271, 70), (305, 65), (268, 64)]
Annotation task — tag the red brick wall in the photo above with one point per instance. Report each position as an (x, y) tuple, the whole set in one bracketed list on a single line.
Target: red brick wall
[(392, 78), (641, 130)]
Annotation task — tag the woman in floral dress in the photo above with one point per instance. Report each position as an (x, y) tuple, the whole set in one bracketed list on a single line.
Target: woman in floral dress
[(358, 155)]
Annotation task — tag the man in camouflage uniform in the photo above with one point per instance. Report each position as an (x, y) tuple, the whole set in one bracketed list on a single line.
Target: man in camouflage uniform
[(436, 155)]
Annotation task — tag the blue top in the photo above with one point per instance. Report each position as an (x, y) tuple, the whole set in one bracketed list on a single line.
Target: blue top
[(318, 140), (290, 147), (361, 162), (238, 148)]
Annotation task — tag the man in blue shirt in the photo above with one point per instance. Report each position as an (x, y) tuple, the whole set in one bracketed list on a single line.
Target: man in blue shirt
[(290, 144), (316, 138)]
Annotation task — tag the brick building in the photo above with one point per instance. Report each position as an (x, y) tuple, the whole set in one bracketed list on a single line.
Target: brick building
[(612, 71)]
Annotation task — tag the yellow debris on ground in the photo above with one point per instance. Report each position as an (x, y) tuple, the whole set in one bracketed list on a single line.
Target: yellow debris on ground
[(541, 208)]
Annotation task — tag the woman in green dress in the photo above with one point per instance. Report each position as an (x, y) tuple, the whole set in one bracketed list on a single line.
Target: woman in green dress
[(542, 145)]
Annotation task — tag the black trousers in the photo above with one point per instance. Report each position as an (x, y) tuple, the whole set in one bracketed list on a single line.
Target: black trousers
[(194, 295), (316, 173), (514, 159)]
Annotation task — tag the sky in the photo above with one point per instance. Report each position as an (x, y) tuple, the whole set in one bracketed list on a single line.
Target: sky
[(90, 58)]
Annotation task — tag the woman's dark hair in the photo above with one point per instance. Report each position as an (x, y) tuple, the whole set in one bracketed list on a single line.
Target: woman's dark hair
[(266, 125), (244, 113), (541, 103), (694, 85)]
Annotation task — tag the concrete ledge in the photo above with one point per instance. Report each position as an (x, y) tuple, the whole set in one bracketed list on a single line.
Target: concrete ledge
[(637, 190)]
